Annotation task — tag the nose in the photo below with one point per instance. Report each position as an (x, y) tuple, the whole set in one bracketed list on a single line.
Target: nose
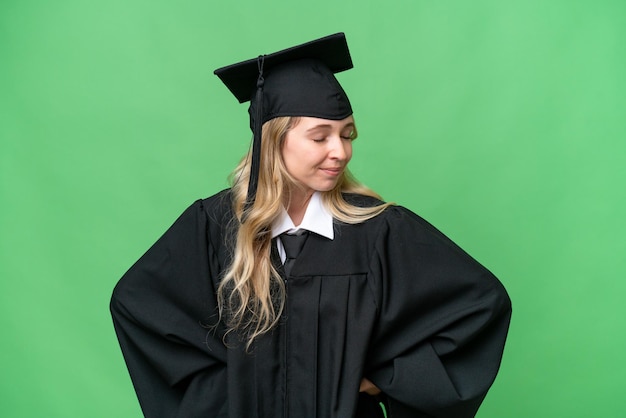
[(338, 149)]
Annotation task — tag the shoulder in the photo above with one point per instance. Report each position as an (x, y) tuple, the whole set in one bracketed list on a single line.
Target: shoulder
[(392, 218), (398, 220), (213, 209), (211, 215), (401, 219), (362, 201), (219, 215), (393, 213), (218, 200), (218, 205)]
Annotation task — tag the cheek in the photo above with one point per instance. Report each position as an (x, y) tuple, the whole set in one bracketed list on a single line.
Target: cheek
[(293, 156), (348, 151), (287, 152)]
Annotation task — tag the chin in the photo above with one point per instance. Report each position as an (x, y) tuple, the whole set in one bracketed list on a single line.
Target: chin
[(326, 187)]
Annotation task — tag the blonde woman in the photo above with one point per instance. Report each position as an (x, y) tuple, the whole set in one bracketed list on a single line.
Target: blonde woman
[(298, 292)]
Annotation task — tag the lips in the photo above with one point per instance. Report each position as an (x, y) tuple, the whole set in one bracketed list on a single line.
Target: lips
[(333, 171)]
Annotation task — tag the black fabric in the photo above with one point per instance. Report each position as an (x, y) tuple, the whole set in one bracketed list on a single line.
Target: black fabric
[(298, 81), (301, 88), (293, 245), (241, 78), (391, 299)]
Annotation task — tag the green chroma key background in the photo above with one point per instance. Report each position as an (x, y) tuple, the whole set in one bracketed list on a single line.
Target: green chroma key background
[(503, 123)]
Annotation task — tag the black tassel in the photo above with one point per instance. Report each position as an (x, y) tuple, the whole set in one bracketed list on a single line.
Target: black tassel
[(256, 141)]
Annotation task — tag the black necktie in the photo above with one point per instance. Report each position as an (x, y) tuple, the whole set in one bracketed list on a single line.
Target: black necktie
[(293, 245)]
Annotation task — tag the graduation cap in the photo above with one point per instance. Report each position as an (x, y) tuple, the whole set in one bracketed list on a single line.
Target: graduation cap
[(297, 81)]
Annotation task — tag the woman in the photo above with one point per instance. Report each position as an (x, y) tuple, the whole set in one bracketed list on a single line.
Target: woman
[(227, 316)]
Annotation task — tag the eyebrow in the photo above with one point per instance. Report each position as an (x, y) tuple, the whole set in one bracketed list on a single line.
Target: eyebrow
[(328, 126)]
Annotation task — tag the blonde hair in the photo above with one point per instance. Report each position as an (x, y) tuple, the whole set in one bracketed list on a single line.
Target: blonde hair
[(251, 295)]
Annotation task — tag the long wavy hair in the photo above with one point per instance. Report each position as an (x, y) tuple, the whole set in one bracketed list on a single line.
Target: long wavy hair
[(251, 295)]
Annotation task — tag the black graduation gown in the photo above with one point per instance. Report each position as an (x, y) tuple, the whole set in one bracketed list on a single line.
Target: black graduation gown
[(391, 299)]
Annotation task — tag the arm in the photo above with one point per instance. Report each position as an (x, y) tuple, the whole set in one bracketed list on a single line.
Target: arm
[(160, 310), (443, 320)]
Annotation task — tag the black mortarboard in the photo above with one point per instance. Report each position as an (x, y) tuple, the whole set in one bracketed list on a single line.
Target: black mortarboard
[(297, 81)]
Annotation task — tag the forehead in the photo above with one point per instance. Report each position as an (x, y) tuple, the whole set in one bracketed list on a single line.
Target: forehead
[(307, 123)]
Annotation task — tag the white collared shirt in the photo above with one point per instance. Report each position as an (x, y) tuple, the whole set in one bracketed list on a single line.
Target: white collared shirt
[(316, 219)]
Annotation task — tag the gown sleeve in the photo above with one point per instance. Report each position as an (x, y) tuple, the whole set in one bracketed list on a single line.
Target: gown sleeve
[(162, 311), (443, 321)]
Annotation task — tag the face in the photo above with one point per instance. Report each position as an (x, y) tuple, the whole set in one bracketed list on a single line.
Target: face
[(317, 151)]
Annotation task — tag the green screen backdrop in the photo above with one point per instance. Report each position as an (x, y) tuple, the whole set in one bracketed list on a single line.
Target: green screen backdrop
[(501, 122)]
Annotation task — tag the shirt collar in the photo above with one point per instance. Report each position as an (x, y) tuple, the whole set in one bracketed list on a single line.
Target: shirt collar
[(316, 219)]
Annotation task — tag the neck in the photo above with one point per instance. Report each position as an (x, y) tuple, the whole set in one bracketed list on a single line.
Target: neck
[(296, 206)]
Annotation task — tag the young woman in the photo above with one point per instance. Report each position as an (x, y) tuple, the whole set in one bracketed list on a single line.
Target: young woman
[(298, 292)]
